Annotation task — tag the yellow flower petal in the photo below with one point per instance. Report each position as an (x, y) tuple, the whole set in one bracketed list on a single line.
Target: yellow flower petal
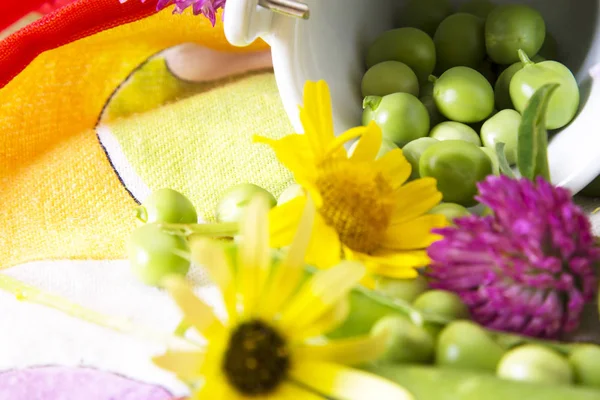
[(212, 256), (294, 152), (316, 116), (289, 391), (284, 221), (369, 144), (324, 249), (195, 311), (336, 147), (394, 167), (324, 324), (396, 264), (415, 199), (319, 294), (345, 383), (254, 254), (186, 365), (351, 351), (288, 274), (414, 234), (216, 387)]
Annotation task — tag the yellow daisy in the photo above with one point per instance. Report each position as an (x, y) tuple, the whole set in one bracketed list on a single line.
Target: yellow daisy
[(265, 348), (366, 212)]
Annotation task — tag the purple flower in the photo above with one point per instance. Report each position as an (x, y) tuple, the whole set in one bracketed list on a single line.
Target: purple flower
[(529, 268), (208, 8)]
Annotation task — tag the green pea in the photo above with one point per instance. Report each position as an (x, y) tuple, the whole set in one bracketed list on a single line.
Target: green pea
[(413, 151), (463, 95), (441, 302), (167, 205), (510, 27), (435, 116), (457, 166), (235, 200), (450, 210), (535, 363), (465, 345), (405, 289), (563, 104), (407, 342), (480, 8), (459, 41), (476, 126), (155, 254), (290, 193), (502, 86), (401, 116), (451, 130), (386, 146), (491, 153), (410, 46), (425, 14), (585, 361), (503, 127), (549, 50), (389, 77)]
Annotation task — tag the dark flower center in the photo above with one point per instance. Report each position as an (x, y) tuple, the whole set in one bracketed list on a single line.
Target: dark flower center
[(256, 360)]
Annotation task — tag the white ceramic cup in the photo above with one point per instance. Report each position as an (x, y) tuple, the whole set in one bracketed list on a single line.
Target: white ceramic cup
[(331, 44)]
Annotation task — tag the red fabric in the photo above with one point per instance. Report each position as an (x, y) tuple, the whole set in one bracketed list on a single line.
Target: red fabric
[(13, 10), (53, 5), (74, 21)]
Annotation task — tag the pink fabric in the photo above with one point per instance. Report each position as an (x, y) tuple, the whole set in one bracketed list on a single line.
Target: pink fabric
[(62, 383)]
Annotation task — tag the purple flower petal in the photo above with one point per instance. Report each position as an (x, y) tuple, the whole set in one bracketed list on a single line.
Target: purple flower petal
[(529, 268)]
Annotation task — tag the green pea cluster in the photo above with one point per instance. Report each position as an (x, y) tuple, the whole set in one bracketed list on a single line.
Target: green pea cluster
[(155, 252), (160, 246), (488, 61), (460, 344)]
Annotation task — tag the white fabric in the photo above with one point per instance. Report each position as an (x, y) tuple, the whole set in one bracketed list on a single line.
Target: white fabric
[(34, 335)]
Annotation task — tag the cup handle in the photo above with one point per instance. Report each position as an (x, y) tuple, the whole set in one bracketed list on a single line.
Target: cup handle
[(245, 21)]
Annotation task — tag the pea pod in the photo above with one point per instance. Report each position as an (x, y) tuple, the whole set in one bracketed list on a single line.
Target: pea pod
[(428, 383), (532, 142)]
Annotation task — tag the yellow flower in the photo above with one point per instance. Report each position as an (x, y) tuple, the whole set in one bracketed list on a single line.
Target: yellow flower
[(365, 211), (265, 348)]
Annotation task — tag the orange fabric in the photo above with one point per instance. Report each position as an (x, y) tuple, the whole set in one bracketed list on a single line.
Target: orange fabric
[(51, 205)]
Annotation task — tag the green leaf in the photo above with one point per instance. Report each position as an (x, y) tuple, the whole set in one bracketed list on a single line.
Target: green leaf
[(532, 145), (502, 162)]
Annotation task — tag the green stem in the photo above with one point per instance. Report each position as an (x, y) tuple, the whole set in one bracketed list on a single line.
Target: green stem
[(372, 102), (27, 293), (141, 213), (525, 58), (418, 317), (432, 78), (211, 230), (182, 328), (510, 340)]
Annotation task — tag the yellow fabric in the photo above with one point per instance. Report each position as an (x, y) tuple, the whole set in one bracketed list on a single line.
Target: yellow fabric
[(184, 145), (60, 196)]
